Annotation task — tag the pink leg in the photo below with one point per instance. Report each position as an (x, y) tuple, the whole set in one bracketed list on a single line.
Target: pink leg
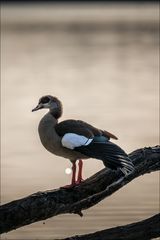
[(79, 179), (73, 182)]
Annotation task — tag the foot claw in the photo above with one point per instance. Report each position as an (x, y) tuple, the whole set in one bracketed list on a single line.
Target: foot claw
[(68, 186), (73, 184), (79, 181)]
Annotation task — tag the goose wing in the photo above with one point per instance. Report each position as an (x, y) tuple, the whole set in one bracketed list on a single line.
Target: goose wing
[(81, 128), (94, 143)]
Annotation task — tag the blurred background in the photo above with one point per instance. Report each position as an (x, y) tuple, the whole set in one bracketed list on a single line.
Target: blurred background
[(101, 61)]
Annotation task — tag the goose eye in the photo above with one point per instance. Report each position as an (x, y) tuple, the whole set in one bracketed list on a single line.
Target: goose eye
[(45, 100)]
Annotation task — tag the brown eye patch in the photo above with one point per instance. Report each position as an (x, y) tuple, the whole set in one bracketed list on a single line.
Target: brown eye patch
[(44, 100)]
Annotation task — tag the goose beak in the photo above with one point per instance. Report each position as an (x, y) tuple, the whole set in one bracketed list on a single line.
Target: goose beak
[(39, 106)]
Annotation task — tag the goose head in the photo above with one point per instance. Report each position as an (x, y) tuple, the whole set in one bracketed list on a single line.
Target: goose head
[(49, 102)]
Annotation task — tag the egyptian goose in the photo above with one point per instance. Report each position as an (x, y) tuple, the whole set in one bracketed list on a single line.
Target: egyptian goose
[(77, 140)]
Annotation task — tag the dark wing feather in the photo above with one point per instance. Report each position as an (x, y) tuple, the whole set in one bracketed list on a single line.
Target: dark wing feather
[(112, 155), (81, 128), (109, 135), (73, 126)]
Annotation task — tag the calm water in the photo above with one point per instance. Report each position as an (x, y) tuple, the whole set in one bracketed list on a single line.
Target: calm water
[(102, 62)]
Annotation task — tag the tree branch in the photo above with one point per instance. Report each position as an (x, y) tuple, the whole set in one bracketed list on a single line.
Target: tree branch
[(143, 230), (43, 205)]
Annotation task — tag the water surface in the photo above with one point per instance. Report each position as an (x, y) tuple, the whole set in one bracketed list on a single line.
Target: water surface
[(102, 62)]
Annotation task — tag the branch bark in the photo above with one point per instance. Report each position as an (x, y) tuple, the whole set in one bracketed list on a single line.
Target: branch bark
[(43, 205), (143, 230)]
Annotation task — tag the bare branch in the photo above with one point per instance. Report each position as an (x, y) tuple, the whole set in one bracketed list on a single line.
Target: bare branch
[(143, 230), (43, 205)]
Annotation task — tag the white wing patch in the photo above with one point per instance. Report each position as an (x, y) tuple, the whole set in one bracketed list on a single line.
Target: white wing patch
[(72, 140)]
